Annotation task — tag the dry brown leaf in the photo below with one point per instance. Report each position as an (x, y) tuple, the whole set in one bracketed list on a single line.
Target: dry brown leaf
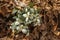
[(55, 27), (57, 33)]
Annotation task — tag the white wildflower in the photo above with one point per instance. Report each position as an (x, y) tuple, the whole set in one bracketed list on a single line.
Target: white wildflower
[(16, 23), (26, 19), (24, 15), (17, 28), (21, 26), (28, 13), (38, 20), (17, 19), (24, 31)]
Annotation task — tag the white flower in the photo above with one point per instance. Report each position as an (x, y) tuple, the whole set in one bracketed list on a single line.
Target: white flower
[(16, 23), (28, 13), (38, 20), (21, 26), (17, 19), (26, 19), (24, 31), (17, 28), (27, 16), (24, 15)]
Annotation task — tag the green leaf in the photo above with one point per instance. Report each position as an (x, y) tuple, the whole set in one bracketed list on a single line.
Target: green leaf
[(14, 11)]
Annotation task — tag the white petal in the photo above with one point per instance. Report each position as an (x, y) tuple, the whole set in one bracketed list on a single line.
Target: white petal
[(25, 15), (16, 23), (26, 19), (17, 19), (38, 20), (28, 13), (24, 31), (10, 27), (21, 26), (17, 28)]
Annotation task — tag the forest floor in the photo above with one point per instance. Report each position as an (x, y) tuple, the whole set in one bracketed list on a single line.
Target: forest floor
[(48, 30)]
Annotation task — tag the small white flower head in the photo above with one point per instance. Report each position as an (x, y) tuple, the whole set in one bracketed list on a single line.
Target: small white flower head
[(17, 28), (21, 26), (16, 23), (24, 31), (17, 19), (38, 20), (28, 13), (24, 15), (27, 19)]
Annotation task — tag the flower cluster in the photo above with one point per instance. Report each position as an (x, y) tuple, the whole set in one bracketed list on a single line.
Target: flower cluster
[(24, 18)]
